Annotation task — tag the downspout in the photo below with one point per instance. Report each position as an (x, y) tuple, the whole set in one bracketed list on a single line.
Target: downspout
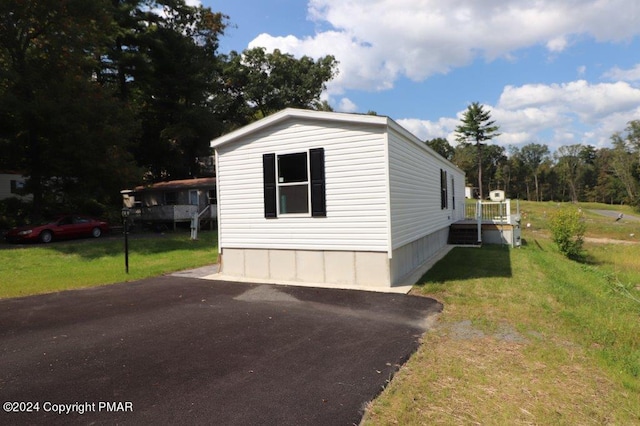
[(479, 219)]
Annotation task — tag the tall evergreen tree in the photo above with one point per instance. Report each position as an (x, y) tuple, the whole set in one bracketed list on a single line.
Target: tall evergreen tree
[(477, 127), (60, 123), (94, 95)]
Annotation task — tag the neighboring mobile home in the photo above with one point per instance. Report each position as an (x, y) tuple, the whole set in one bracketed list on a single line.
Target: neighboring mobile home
[(331, 198), (174, 201), (12, 184)]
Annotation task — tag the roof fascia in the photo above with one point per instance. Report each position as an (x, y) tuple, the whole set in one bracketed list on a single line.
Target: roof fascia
[(296, 113)]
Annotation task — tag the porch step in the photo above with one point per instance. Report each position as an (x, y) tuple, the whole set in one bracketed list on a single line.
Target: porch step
[(463, 235)]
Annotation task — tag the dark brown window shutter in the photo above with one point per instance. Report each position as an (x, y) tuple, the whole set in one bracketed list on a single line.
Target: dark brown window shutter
[(269, 179), (318, 199)]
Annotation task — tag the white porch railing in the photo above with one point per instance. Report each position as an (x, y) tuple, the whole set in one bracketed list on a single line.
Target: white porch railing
[(178, 212), (489, 211), (492, 212)]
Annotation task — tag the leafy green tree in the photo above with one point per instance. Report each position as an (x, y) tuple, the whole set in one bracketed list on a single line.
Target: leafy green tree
[(625, 163), (568, 164), (57, 121), (165, 66), (465, 156), (493, 158), (609, 188), (514, 174), (442, 147), (262, 83), (94, 95), (477, 127), (533, 156), (633, 136), (547, 179)]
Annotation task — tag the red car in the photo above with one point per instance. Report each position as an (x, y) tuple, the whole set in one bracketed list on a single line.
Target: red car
[(71, 226)]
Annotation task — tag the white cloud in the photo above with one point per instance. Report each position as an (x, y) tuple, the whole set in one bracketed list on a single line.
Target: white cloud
[(582, 70), (378, 42), (558, 44), (346, 105), (616, 73), (590, 102), (598, 109), (426, 130), (556, 114)]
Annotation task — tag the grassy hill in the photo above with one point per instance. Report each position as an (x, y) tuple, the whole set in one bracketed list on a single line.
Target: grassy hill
[(528, 336)]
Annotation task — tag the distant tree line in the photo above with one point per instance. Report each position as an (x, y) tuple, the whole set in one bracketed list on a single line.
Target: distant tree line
[(572, 173), (96, 96)]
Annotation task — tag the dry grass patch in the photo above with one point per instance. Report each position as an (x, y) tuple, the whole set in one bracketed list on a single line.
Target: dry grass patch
[(469, 377), (526, 337)]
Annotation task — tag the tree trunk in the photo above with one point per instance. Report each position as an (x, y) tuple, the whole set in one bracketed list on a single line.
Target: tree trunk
[(535, 178), (480, 170), (35, 175)]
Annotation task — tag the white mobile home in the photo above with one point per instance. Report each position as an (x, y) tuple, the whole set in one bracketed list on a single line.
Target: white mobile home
[(12, 184), (331, 198)]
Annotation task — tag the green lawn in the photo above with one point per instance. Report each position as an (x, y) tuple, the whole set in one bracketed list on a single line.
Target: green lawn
[(527, 336), (38, 268)]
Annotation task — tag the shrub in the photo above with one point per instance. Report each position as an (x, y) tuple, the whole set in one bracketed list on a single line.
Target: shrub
[(567, 230), (13, 212)]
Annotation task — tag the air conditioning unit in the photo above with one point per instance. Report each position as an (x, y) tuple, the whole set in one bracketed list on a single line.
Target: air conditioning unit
[(496, 195)]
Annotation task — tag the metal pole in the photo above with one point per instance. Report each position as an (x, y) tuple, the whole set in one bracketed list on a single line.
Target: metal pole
[(126, 244)]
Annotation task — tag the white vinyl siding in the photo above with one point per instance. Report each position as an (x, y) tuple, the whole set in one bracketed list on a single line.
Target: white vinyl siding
[(414, 174), (356, 188), (6, 186)]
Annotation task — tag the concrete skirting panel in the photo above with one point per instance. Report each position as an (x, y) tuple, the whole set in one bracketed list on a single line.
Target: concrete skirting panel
[(410, 257), (372, 271), (345, 269)]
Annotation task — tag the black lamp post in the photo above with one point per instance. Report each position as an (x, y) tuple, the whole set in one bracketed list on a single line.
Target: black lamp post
[(125, 220)]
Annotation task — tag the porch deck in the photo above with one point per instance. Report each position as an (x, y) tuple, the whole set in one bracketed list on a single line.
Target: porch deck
[(487, 222), (178, 213)]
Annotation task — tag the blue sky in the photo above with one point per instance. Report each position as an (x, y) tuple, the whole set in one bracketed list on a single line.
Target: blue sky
[(556, 72)]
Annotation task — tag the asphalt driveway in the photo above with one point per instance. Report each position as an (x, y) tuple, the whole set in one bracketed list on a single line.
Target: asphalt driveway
[(615, 214), (174, 350)]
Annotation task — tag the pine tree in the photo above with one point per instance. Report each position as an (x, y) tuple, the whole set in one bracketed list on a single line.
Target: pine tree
[(478, 127)]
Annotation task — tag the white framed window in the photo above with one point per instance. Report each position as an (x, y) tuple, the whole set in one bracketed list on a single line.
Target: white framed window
[(293, 183)]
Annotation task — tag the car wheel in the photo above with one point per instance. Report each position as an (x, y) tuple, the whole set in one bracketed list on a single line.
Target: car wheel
[(96, 232), (46, 236)]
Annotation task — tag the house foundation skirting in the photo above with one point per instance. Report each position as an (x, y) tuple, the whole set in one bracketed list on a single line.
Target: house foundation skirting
[(326, 268), (318, 267), (407, 259)]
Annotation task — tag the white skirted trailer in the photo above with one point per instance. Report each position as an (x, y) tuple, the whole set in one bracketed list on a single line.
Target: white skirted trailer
[(332, 199)]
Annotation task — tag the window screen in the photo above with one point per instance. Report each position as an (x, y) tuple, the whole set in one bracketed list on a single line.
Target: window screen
[(293, 183)]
